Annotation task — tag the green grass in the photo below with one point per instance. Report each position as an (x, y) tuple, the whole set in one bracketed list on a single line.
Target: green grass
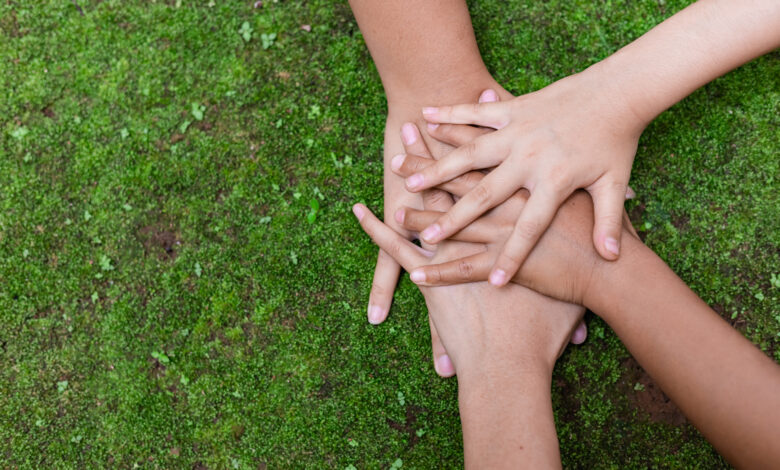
[(168, 299)]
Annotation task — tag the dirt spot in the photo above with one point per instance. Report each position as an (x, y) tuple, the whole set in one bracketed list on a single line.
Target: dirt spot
[(326, 389), (177, 138), (680, 222), (48, 112), (237, 431), (648, 397), (408, 427), (160, 239)]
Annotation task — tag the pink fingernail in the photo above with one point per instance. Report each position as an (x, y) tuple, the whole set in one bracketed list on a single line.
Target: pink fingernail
[(612, 246), (414, 181), (498, 277), (400, 214), (430, 111), (630, 194), (397, 161), (431, 233), (444, 365), (417, 276), (488, 96), (358, 211), (375, 314), (409, 133), (432, 127)]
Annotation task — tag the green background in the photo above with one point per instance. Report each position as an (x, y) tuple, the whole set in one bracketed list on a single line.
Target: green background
[(166, 302)]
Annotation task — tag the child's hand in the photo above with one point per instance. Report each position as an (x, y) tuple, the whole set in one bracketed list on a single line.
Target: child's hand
[(572, 134)]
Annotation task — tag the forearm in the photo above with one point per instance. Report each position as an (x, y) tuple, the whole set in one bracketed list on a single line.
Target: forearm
[(727, 387), (693, 47), (423, 49), (507, 416)]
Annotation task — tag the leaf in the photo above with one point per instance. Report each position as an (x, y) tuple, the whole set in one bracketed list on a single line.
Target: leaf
[(268, 40), (401, 398), (198, 269), (315, 208), (19, 132), (184, 126), (61, 386), (197, 111), (105, 263), (246, 32)]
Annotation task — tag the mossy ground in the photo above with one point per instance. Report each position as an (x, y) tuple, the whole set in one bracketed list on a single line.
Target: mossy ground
[(169, 298)]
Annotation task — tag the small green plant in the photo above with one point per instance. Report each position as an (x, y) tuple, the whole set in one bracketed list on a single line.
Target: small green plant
[(62, 386), (197, 111), (246, 32), (314, 208), (401, 398), (268, 40)]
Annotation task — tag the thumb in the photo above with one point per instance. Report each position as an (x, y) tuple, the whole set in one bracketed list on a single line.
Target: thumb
[(608, 198)]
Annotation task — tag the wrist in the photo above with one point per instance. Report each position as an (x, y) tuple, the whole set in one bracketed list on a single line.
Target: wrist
[(620, 96), (614, 282)]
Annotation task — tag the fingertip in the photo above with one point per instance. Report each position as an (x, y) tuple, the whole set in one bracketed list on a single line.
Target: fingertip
[(376, 314), (397, 161), (417, 276), (444, 366), (488, 96), (498, 277), (430, 112), (580, 334), (359, 211), (432, 127), (431, 234), (409, 133), (612, 246), (415, 181), (400, 215)]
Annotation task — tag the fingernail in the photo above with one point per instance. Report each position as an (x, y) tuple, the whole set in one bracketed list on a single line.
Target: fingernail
[(375, 314), (630, 194), (358, 211), (414, 181), (488, 96), (578, 337), (400, 214), (417, 276), (430, 111), (612, 246), (432, 127), (431, 233), (409, 133), (498, 277), (443, 365), (397, 161)]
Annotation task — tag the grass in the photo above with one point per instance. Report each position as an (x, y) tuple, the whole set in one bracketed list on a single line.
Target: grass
[(181, 282)]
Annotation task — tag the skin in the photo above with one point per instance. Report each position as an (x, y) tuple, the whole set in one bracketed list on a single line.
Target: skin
[(549, 143), (494, 348), (435, 60), (725, 386)]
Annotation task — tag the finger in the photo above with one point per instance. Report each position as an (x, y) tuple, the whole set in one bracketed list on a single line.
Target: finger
[(532, 223), (483, 152), (580, 333), (479, 231), (400, 249), (456, 135), (469, 269), (413, 143), (493, 189), (382, 288), (495, 115), (608, 201), (630, 194), (441, 360)]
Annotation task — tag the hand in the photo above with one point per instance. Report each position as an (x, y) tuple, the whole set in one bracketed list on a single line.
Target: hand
[(562, 265), (404, 251), (572, 134), (387, 269)]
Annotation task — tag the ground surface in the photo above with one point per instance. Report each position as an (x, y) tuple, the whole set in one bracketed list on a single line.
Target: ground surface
[(169, 298)]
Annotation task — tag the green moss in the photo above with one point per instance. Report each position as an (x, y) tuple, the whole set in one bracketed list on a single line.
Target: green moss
[(254, 315)]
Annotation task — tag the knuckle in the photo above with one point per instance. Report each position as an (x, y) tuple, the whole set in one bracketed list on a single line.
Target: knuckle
[(559, 179), (470, 151), (435, 198), (482, 195), (394, 248), (377, 290), (528, 230), (465, 270)]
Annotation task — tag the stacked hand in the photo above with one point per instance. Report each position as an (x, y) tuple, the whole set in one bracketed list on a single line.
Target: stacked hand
[(572, 134)]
